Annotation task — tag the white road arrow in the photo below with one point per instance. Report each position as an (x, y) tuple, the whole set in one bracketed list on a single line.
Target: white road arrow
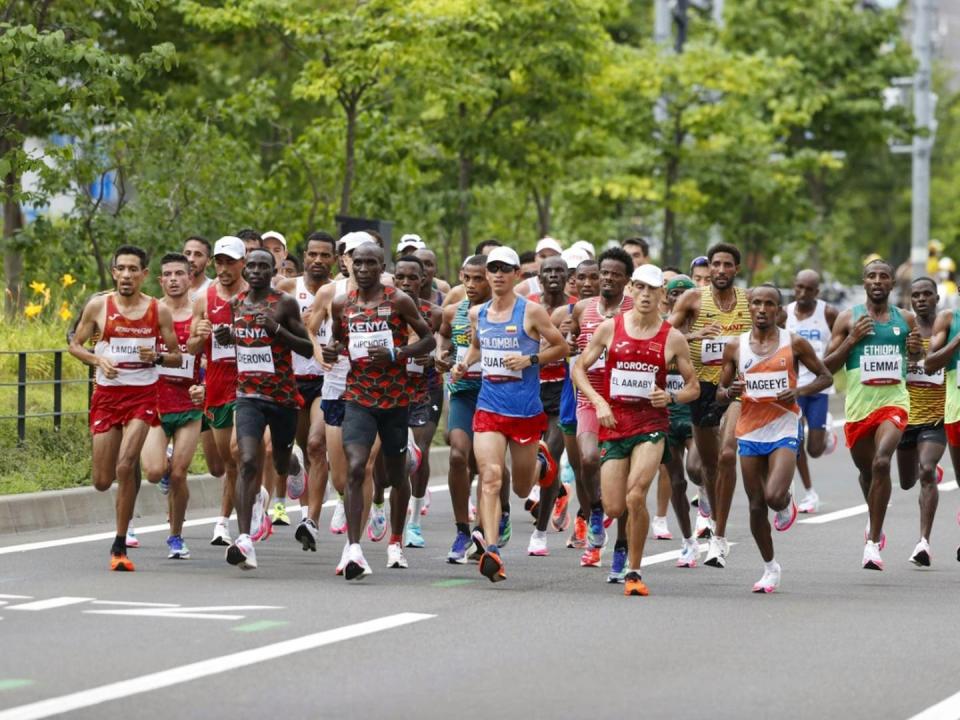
[(210, 612)]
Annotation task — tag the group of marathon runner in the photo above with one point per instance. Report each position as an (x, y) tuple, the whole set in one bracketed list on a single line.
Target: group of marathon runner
[(563, 373)]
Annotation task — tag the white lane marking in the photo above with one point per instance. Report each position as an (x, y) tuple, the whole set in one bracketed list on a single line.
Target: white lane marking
[(146, 529), (212, 612), (948, 709), (16, 597), (51, 603), (204, 668), (837, 515), (134, 603), (671, 555)]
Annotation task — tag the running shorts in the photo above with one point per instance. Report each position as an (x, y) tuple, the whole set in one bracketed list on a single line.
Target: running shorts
[(333, 412), (310, 387), (463, 405), (550, 393), (814, 409), (362, 424), (218, 417), (587, 419), (680, 431), (116, 405), (705, 411), (567, 428), (521, 430), (929, 433), (436, 404), (854, 431), (568, 404), (171, 422), (420, 414), (622, 448), (953, 433), (751, 448), (254, 415)]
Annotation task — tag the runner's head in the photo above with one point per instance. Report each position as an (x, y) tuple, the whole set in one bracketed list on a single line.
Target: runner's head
[(616, 266), (228, 256), (588, 279), (348, 244), (676, 287), (878, 280), (129, 269), (251, 239), (547, 247), (646, 287), (924, 297), (367, 265), (409, 275), (429, 259), (198, 251), (292, 267), (638, 249), (503, 270), (553, 274), (277, 245), (175, 271), (409, 244), (529, 265), (319, 256), (700, 271), (724, 260), (473, 274), (765, 304), (484, 247), (259, 268), (806, 288)]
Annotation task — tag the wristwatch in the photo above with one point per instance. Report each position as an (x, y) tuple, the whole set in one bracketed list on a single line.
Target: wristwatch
[(673, 397), (535, 359), (158, 360)]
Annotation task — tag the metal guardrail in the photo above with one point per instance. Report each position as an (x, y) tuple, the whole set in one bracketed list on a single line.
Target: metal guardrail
[(57, 382)]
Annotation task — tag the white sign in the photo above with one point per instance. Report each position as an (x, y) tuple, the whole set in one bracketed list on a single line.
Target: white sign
[(475, 370), (711, 350), (631, 383), (220, 351), (494, 367), (255, 360), (361, 342), (766, 385), (184, 370), (881, 369), (125, 352)]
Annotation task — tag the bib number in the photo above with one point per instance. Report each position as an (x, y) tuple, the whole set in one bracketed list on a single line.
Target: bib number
[(766, 385), (600, 363), (917, 377), (631, 384), (494, 368), (255, 360), (674, 383), (361, 342), (184, 371), (125, 352), (711, 350), (475, 370), (881, 369), (222, 352)]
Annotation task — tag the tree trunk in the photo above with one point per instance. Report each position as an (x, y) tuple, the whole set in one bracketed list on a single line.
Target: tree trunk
[(464, 171), (542, 202), (349, 156), (12, 224)]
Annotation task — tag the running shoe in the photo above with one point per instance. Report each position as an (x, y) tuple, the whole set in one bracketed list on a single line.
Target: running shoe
[(703, 507), (343, 559), (261, 526), (833, 440), (506, 530), (717, 553), (866, 536), (607, 522), (121, 563), (538, 544), (458, 551), (578, 539), (491, 566), (413, 536), (242, 553), (425, 508), (414, 454), (307, 534), (939, 473), (131, 540), (532, 503), (783, 519), (689, 554), (596, 532), (356, 567), (164, 485), (695, 500), (560, 518), (704, 527), (810, 502), (278, 514), (377, 525), (395, 558), (221, 534), (591, 557), (478, 545), (567, 476), (338, 523), (921, 554), (296, 483), (178, 548), (770, 580), (659, 529), (871, 556), (618, 566), (548, 469), (633, 585)]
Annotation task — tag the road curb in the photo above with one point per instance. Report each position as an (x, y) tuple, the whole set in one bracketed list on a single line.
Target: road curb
[(81, 506)]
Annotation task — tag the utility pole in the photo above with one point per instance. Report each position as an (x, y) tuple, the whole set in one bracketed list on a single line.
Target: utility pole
[(661, 22), (922, 145)]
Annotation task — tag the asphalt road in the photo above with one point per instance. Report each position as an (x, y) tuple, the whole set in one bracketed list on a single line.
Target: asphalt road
[(202, 639)]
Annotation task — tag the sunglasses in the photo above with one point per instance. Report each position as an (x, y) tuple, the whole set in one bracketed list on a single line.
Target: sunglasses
[(701, 261), (498, 267)]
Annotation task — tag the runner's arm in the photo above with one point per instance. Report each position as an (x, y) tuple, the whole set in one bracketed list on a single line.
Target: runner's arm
[(86, 328), (290, 330), (680, 352), (804, 352), (730, 386), (330, 352), (444, 335), (200, 327), (598, 343), (455, 296), (539, 321), (411, 315), (842, 341), (171, 358), (914, 340), (940, 350)]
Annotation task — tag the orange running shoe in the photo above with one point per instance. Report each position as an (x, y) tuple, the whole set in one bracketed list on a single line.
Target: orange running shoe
[(549, 472), (579, 537), (560, 520), (633, 585), (491, 566), (121, 563), (591, 557)]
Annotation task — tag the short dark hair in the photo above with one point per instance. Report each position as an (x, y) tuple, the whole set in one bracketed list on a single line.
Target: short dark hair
[(295, 259), (771, 286), (321, 236), (640, 242), (478, 260), (588, 261), (878, 261), (248, 234), (620, 255), (486, 243), (132, 250), (722, 247), (528, 257), (273, 260), (672, 268), (411, 259), (175, 257), (925, 278), (203, 241)]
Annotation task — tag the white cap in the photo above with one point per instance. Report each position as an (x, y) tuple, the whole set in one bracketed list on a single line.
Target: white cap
[(352, 240), (587, 247), (574, 256), (504, 255), (411, 240), (548, 243), (230, 246), (649, 275), (275, 236)]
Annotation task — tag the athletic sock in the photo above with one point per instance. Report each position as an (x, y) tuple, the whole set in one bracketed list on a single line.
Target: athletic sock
[(378, 505), (581, 514), (596, 506), (770, 566), (395, 539), (539, 534), (563, 490), (620, 545), (119, 545), (417, 507), (463, 528)]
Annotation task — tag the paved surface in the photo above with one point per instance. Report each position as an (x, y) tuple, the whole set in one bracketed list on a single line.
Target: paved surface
[(554, 640)]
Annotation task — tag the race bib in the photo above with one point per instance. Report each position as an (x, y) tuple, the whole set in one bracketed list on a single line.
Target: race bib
[(633, 384), (765, 385), (125, 352), (918, 378), (674, 382), (222, 352), (361, 342), (492, 362), (413, 368), (881, 369), (711, 350), (475, 370), (600, 363), (325, 332), (255, 360), (185, 371)]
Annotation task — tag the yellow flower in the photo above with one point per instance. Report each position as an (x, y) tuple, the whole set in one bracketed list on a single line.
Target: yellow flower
[(65, 313), (38, 287), (46, 296), (68, 280), (32, 310)]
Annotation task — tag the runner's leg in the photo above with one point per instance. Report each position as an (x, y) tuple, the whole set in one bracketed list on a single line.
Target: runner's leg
[(490, 450), (645, 460)]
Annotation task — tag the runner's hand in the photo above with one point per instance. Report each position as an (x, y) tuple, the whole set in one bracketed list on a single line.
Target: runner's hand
[(379, 354), (789, 395), (710, 331), (862, 328), (425, 361), (914, 342), (266, 320), (736, 389), (659, 397), (566, 325), (204, 328), (197, 394), (107, 368), (329, 354), (442, 362), (516, 362), (457, 372), (605, 414), (223, 335), (148, 355), (572, 343)]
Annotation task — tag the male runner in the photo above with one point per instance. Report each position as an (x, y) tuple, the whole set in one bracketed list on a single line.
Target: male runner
[(714, 314), (292, 267), (874, 342), (266, 326), (813, 320), (276, 244), (760, 368), (924, 440), (123, 407), (507, 335), (638, 249), (373, 323), (251, 239), (700, 271), (434, 289), (179, 414), (210, 312), (632, 409), (458, 293)]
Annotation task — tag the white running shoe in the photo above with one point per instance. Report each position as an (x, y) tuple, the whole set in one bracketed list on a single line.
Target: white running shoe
[(338, 523), (883, 536), (306, 534), (343, 559), (297, 483), (356, 567), (871, 556), (242, 553), (538, 544), (717, 552), (689, 554), (783, 519), (833, 440), (221, 534), (770, 580), (704, 526), (395, 558), (659, 529), (261, 526), (921, 554), (131, 539), (810, 502), (377, 524)]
